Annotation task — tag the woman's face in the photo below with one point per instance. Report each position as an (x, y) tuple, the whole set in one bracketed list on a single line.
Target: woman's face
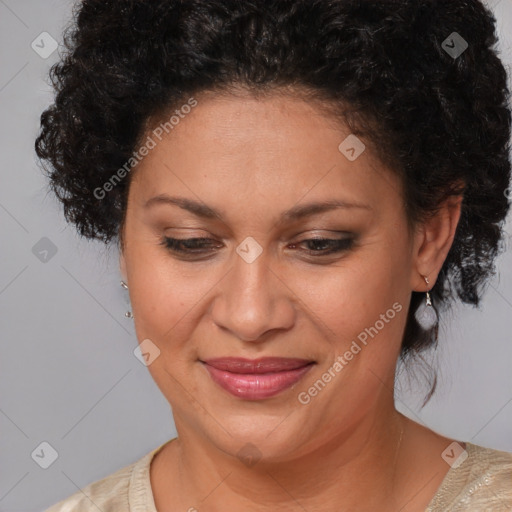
[(258, 288)]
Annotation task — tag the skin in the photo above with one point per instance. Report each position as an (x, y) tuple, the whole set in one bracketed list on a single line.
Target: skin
[(251, 159)]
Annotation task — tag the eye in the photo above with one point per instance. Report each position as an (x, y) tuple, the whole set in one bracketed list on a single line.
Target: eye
[(326, 246), (318, 247), (188, 245)]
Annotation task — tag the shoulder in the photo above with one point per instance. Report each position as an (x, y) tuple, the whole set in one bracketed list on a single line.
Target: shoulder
[(481, 482), (117, 491), (108, 494)]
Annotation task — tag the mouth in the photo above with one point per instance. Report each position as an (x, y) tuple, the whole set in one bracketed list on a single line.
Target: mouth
[(256, 379)]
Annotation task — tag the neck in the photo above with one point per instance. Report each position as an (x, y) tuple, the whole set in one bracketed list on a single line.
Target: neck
[(357, 469)]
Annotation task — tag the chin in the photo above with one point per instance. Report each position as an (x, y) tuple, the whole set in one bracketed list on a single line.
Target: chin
[(265, 438)]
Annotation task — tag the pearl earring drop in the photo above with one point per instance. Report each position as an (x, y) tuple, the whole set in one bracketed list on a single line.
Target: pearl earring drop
[(426, 315)]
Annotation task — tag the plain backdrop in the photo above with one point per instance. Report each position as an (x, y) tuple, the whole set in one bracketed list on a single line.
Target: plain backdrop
[(68, 374)]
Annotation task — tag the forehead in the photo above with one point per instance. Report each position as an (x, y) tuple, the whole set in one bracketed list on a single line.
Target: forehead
[(245, 150)]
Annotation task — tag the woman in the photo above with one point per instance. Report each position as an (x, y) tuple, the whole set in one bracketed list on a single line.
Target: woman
[(298, 190)]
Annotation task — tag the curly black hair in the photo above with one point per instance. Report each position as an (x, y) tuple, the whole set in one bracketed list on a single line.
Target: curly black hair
[(437, 112)]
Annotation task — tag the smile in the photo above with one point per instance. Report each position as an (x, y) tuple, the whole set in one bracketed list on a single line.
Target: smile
[(256, 379)]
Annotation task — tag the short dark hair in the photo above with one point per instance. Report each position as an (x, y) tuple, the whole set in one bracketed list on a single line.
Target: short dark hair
[(441, 121)]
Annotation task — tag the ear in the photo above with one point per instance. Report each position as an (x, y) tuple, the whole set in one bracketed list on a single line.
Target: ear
[(432, 242)]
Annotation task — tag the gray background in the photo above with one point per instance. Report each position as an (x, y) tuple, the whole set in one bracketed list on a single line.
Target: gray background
[(68, 374)]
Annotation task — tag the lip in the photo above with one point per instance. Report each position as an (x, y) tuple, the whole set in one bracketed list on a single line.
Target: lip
[(256, 379)]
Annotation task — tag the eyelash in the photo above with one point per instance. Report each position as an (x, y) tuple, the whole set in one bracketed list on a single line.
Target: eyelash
[(174, 245)]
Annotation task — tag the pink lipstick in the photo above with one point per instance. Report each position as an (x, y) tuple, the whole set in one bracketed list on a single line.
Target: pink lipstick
[(256, 379)]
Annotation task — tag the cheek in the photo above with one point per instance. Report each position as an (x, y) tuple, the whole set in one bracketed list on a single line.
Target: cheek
[(357, 291), (162, 296), (362, 305)]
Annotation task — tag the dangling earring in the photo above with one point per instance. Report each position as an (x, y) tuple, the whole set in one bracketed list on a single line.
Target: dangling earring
[(426, 314), (128, 314)]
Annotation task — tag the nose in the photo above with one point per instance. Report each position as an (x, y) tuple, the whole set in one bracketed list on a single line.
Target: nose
[(253, 299)]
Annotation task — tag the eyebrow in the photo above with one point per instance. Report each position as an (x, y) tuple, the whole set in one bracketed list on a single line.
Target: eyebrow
[(295, 213)]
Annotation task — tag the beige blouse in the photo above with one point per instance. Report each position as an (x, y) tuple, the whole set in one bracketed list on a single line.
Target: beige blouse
[(482, 483)]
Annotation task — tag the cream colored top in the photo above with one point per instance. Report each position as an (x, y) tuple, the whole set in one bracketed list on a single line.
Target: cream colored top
[(482, 483)]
